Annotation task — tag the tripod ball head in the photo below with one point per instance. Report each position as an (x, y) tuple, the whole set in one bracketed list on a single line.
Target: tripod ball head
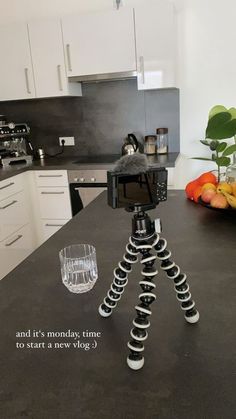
[(142, 226)]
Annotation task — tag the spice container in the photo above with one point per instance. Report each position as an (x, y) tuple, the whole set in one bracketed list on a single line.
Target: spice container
[(150, 142), (162, 140)]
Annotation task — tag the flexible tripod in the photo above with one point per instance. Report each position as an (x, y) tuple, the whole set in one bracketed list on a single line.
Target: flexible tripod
[(144, 238)]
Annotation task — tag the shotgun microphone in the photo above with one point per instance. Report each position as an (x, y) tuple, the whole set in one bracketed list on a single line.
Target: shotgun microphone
[(132, 164)]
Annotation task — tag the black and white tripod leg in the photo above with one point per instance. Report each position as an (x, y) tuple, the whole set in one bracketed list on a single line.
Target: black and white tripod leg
[(181, 286), (120, 281), (135, 359)]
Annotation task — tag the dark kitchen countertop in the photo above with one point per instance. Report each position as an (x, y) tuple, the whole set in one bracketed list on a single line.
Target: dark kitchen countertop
[(86, 162), (189, 370)]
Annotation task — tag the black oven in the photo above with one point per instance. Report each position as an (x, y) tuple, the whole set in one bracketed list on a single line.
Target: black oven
[(85, 186)]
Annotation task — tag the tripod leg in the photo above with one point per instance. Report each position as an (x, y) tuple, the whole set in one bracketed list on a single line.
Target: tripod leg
[(135, 359), (120, 281), (181, 286)]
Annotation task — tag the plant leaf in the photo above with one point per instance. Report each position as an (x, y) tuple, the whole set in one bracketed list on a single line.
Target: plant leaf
[(205, 142), (201, 158), (216, 109), (223, 161), (232, 112), (230, 150), (221, 123), (221, 147)]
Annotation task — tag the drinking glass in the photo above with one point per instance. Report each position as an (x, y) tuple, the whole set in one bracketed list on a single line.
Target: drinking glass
[(79, 267)]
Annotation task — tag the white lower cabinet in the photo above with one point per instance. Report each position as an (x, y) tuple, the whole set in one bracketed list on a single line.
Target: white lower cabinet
[(11, 186), (54, 203), (50, 227), (15, 248), (17, 233), (52, 207), (14, 214)]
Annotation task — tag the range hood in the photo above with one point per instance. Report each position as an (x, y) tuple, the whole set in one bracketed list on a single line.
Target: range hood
[(103, 77)]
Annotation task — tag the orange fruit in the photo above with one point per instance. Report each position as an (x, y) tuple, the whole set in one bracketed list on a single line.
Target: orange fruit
[(190, 188), (207, 177), (224, 187), (197, 193), (209, 185)]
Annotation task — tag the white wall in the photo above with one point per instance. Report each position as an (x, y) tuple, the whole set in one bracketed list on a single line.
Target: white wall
[(15, 10), (207, 74), (207, 61)]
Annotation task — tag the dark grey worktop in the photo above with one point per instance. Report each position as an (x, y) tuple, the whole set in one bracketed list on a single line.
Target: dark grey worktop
[(189, 371), (86, 162)]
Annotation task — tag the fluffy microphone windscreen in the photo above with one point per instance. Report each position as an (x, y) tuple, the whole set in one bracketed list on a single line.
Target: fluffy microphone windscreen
[(132, 164)]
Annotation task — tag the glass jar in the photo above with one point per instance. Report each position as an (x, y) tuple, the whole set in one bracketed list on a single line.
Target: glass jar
[(150, 143), (162, 140), (231, 171)]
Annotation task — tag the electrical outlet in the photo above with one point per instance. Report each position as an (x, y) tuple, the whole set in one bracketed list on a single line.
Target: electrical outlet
[(68, 140)]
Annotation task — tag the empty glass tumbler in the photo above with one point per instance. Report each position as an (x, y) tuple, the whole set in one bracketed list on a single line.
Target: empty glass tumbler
[(79, 267)]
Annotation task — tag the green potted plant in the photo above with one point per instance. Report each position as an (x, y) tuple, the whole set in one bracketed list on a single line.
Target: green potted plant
[(221, 126)]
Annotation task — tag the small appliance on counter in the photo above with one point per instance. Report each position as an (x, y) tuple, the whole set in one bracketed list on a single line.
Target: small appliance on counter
[(131, 145), (14, 143)]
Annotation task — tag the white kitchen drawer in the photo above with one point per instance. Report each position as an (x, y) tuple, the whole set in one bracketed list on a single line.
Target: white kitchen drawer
[(15, 249), (51, 178), (50, 227), (21, 239), (11, 186), (54, 203), (13, 214)]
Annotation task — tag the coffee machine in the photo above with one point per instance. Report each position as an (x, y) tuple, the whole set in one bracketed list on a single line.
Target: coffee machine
[(15, 146)]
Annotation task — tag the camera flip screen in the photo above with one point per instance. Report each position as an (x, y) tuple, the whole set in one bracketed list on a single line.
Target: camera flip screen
[(144, 188)]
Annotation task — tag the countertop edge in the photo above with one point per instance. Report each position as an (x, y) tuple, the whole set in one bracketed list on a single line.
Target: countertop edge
[(69, 164)]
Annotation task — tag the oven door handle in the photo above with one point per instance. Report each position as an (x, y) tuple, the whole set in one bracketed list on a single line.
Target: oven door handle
[(89, 185)]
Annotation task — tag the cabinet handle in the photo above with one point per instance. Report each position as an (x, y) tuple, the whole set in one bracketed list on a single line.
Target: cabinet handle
[(49, 175), (53, 193), (14, 240), (27, 80), (7, 186), (54, 225), (59, 77), (68, 57), (8, 205), (141, 62)]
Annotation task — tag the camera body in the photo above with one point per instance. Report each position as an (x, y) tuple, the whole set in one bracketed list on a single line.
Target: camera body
[(144, 188)]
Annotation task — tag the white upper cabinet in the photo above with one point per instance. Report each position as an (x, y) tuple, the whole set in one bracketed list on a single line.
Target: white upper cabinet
[(16, 75), (155, 30), (99, 43), (48, 59)]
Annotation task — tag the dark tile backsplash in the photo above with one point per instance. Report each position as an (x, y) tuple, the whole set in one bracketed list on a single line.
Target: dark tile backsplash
[(100, 119)]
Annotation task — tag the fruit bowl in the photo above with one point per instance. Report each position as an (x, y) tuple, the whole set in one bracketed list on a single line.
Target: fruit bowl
[(210, 193), (225, 210)]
